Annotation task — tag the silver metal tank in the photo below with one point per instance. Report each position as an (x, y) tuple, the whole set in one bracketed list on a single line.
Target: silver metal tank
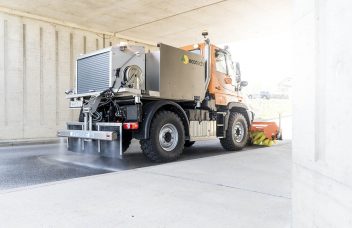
[(176, 74)]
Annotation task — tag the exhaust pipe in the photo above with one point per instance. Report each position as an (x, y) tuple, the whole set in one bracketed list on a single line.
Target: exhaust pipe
[(208, 57)]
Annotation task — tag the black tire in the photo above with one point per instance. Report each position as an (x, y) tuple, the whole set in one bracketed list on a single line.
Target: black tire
[(230, 143), (249, 142), (126, 140), (152, 147), (189, 143)]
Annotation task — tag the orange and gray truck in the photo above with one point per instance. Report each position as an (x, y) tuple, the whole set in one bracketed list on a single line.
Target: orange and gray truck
[(167, 99)]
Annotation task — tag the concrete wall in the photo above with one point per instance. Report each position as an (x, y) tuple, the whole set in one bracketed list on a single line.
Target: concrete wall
[(322, 154), (37, 64)]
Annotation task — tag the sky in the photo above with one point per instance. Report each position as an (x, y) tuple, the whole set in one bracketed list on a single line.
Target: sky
[(264, 61)]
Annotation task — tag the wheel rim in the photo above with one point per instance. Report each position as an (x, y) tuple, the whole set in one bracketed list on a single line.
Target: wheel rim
[(238, 132), (168, 137)]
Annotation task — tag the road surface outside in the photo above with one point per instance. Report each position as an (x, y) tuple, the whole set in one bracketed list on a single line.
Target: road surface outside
[(36, 164)]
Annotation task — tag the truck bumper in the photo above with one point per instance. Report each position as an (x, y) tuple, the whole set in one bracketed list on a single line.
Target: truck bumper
[(104, 139)]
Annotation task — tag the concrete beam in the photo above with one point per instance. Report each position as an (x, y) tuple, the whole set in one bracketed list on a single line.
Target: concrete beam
[(72, 25)]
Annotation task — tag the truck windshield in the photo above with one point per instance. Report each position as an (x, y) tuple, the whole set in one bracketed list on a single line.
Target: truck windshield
[(220, 62), (230, 67)]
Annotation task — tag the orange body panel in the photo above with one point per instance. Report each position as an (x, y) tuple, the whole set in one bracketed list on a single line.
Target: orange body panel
[(221, 86)]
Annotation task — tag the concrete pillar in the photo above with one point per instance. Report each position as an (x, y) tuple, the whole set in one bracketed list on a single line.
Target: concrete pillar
[(322, 154)]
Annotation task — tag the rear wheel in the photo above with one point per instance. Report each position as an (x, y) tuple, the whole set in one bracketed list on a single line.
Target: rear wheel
[(236, 134), (167, 138)]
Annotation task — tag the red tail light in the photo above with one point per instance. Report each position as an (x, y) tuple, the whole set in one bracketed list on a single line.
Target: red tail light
[(130, 126)]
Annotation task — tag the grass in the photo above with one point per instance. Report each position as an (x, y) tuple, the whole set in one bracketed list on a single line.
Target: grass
[(270, 109)]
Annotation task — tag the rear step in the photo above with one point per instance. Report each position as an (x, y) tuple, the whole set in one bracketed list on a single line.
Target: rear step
[(104, 139)]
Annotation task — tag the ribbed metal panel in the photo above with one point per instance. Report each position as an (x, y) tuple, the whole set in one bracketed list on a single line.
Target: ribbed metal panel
[(202, 130), (93, 73)]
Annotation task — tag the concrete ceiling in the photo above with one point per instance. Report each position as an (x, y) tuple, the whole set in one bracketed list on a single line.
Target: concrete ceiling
[(176, 22)]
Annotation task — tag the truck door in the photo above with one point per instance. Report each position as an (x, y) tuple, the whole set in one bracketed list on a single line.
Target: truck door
[(223, 84), (231, 72)]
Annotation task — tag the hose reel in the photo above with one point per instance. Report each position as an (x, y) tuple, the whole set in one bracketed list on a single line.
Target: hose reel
[(133, 77)]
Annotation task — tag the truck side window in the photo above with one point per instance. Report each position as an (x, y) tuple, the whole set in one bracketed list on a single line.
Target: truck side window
[(220, 62)]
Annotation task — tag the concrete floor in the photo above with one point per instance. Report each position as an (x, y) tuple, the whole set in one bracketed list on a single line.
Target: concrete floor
[(208, 187), (29, 165)]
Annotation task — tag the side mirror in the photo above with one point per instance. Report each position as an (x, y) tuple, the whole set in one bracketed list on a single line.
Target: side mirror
[(238, 72), (243, 83)]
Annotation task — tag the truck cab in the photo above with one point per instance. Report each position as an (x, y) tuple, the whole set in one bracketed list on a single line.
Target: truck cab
[(225, 77)]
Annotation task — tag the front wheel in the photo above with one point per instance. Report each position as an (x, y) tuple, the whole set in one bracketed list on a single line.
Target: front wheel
[(167, 138), (236, 134)]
